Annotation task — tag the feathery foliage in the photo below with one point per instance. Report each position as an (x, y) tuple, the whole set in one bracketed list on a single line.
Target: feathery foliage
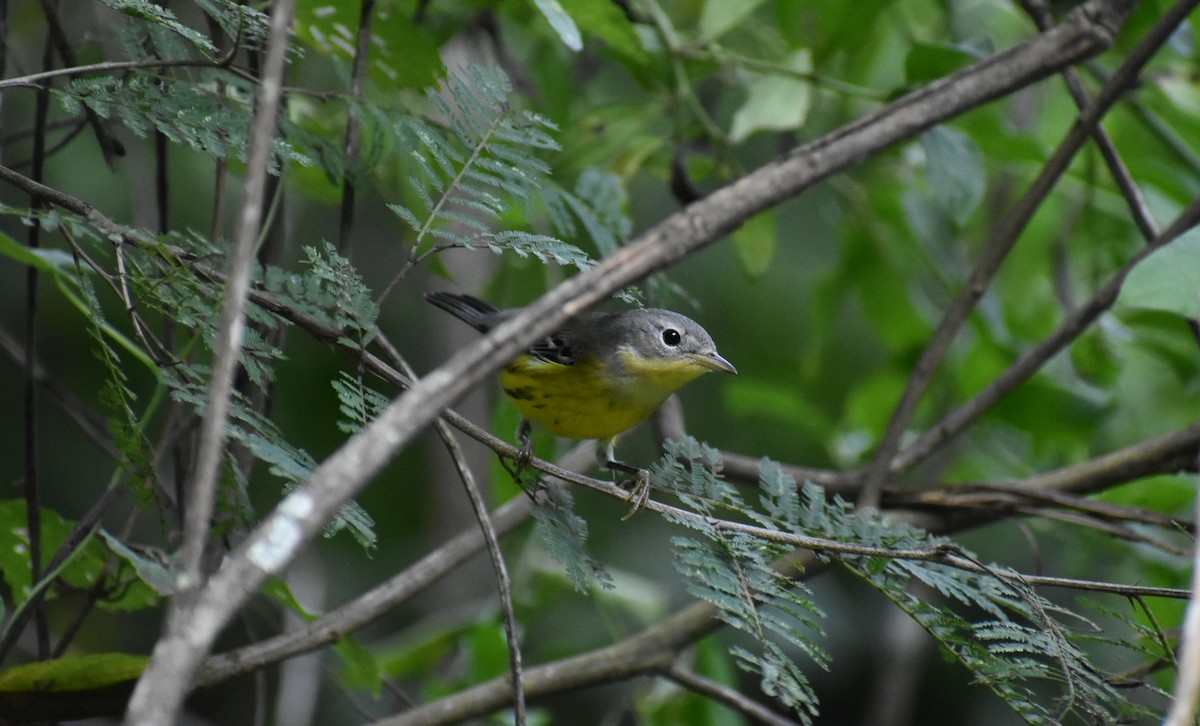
[(210, 118), (472, 168), (564, 533), (1022, 644)]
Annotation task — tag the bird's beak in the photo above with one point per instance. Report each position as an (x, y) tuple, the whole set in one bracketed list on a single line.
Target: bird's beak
[(714, 362)]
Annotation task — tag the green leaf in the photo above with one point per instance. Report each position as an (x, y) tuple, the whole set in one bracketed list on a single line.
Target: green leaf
[(487, 649), (755, 242), (151, 571), (926, 62), (69, 688), (562, 23), (83, 570), (47, 260), (155, 13), (361, 667), (605, 20), (73, 672), (719, 16), (1168, 279), (955, 171), (777, 101)]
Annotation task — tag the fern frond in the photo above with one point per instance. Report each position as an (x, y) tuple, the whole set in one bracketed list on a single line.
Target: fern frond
[(162, 17), (1025, 643), (212, 119), (470, 170), (564, 533), (357, 403), (264, 440), (238, 20)]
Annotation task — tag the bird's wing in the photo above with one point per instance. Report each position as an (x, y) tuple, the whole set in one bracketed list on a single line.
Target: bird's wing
[(555, 348)]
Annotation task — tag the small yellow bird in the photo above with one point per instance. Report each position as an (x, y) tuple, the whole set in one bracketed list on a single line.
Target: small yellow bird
[(602, 373)]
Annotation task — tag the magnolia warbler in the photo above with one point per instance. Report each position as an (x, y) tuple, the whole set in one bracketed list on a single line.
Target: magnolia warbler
[(601, 374)]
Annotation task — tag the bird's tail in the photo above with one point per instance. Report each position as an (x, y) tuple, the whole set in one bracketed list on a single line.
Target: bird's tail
[(479, 314)]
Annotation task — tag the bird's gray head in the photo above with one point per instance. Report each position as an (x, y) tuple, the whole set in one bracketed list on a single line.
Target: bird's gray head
[(665, 339)]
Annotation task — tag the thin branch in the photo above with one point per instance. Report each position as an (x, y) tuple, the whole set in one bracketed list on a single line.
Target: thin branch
[(503, 582), (491, 539), (74, 128), (230, 326), (30, 472), (731, 697), (1001, 243), (660, 644), (109, 147), (358, 78), (1175, 144), (89, 421), (651, 651), (1032, 359), (1039, 10), (937, 553), (34, 80), (1132, 462), (160, 690), (988, 496), (1103, 526), (373, 604)]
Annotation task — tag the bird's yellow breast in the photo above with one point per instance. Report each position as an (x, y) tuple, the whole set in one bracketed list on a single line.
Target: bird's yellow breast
[(589, 399)]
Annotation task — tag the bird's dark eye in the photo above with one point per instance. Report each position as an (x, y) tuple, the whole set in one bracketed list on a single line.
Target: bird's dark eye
[(671, 337)]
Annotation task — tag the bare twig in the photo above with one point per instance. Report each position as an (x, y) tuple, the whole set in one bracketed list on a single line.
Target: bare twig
[(491, 539), (721, 693), (1135, 462), (371, 605), (166, 680), (30, 471), (987, 496), (651, 651), (56, 36), (1001, 243), (34, 80), (1032, 359), (354, 122), (1039, 10)]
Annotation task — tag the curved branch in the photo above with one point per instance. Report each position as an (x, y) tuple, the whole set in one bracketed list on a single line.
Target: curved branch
[(653, 650), (1033, 358), (1002, 241), (33, 80), (723, 694)]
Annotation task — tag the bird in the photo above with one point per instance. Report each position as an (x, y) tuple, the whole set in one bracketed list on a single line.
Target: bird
[(602, 373)]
